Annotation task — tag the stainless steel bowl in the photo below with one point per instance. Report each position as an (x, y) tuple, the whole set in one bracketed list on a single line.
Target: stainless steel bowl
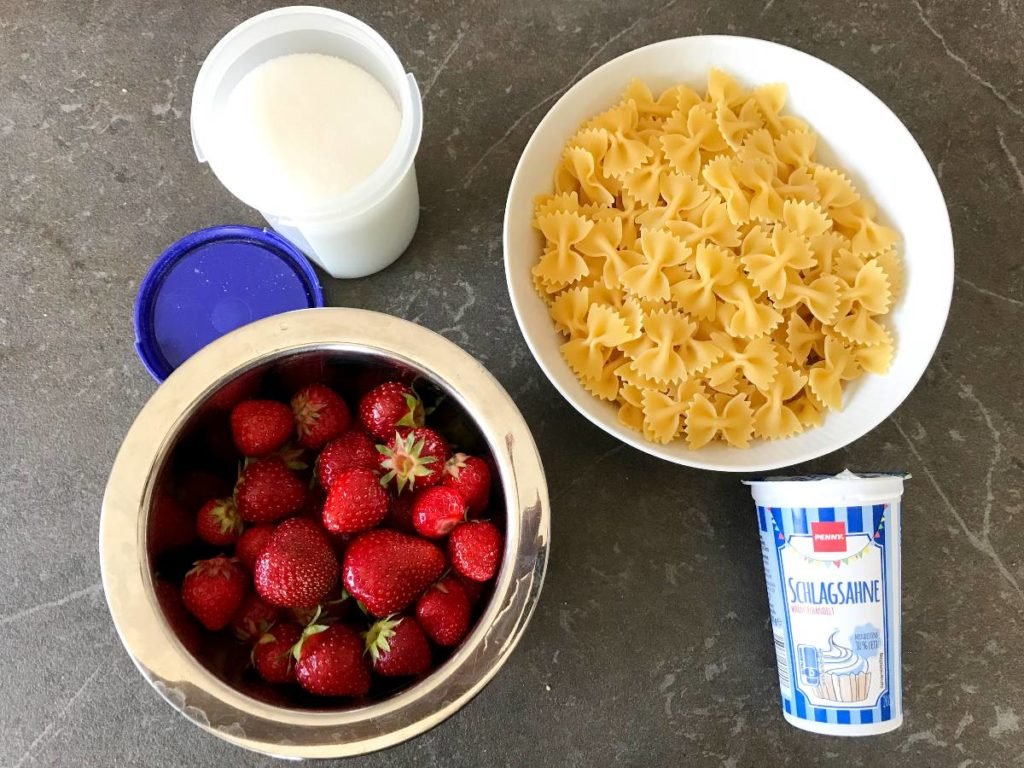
[(347, 335)]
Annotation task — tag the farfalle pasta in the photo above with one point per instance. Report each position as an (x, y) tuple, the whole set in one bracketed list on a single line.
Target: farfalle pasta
[(711, 278)]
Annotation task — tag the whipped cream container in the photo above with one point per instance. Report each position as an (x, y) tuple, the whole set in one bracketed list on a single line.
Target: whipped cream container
[(831, 548)]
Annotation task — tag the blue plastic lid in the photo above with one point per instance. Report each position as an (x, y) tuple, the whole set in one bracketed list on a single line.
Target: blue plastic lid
[(211, 282)]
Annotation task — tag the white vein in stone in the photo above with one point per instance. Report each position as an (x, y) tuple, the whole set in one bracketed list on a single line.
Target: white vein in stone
[(987, 292), (964, 65), (92, 589), (967, 393), (60, 715), (444, 62), (983, 545), (471, 173), (1013, 160)]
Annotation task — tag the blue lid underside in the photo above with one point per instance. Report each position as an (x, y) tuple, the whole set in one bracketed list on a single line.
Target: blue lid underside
[(212, 282)]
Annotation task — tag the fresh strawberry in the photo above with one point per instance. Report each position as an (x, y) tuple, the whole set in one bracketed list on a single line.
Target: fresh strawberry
[(338, 607), (354, 449), (356, 502), (400, 512), (251, 543), (398, 648), (213, 591), (387, 570), (297, 567), (443, 612), (180, 620), (313, 506), (296, 372), (268, 490), (437, 510), (320, 415), (474, 589), (389, 406), (234, 392), (272, 653), (171, 525), (260, 427), (253, 619), (218, 522), (329, 661), (475, 549), (413, 458), (471, 477)]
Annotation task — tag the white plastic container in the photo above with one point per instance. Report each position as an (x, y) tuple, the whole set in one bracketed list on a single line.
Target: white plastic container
[(366, 229), (831, 548)]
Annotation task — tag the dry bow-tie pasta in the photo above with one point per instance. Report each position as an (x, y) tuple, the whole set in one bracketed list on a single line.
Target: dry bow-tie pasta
[(709, 275)]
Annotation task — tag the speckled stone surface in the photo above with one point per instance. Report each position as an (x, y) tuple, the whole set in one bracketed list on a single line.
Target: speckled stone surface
[(651, 644)]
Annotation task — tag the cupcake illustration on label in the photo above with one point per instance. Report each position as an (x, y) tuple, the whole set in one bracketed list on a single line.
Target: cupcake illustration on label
[(837, 673), (833, 578)]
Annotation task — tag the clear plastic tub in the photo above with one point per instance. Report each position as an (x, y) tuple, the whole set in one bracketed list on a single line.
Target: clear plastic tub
[(366, 229), (831, 548)]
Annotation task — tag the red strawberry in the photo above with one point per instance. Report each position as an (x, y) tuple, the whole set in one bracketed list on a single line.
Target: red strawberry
[(260, 427), (474, 589), (389, 406), (213, 591), (268, 490), (253, 619), (251, 543), (320, 415), (443, 612), (329, 661), (471, 477), (435, 511), (400, 513), (297, 567), (313, 506), (356, 502), (398, 648), (169, 597), (272, 653), (171, 525), (218, 522), (234, 392), (353, 449), (413, 458), (475, 549), (337, 608), (296, 372), (387, 570)]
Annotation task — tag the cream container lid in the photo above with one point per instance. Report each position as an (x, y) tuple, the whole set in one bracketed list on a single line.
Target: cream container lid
[(845, 489)]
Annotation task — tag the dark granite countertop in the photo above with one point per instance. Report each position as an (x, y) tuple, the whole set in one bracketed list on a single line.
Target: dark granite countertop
[(651, 644)]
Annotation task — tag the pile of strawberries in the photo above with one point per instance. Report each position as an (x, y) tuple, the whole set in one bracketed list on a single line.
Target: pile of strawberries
[(352, 548)]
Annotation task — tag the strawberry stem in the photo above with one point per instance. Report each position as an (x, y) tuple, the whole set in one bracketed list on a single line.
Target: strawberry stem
[(378, 637), (311, 629)]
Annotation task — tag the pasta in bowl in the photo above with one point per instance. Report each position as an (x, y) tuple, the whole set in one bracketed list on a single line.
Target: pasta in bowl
[(719, 278)]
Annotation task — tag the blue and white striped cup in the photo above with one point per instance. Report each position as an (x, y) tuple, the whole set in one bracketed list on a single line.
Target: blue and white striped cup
[(831, 547)]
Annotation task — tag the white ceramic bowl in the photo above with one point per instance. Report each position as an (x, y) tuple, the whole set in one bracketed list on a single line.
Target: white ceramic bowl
[(856, 131)]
